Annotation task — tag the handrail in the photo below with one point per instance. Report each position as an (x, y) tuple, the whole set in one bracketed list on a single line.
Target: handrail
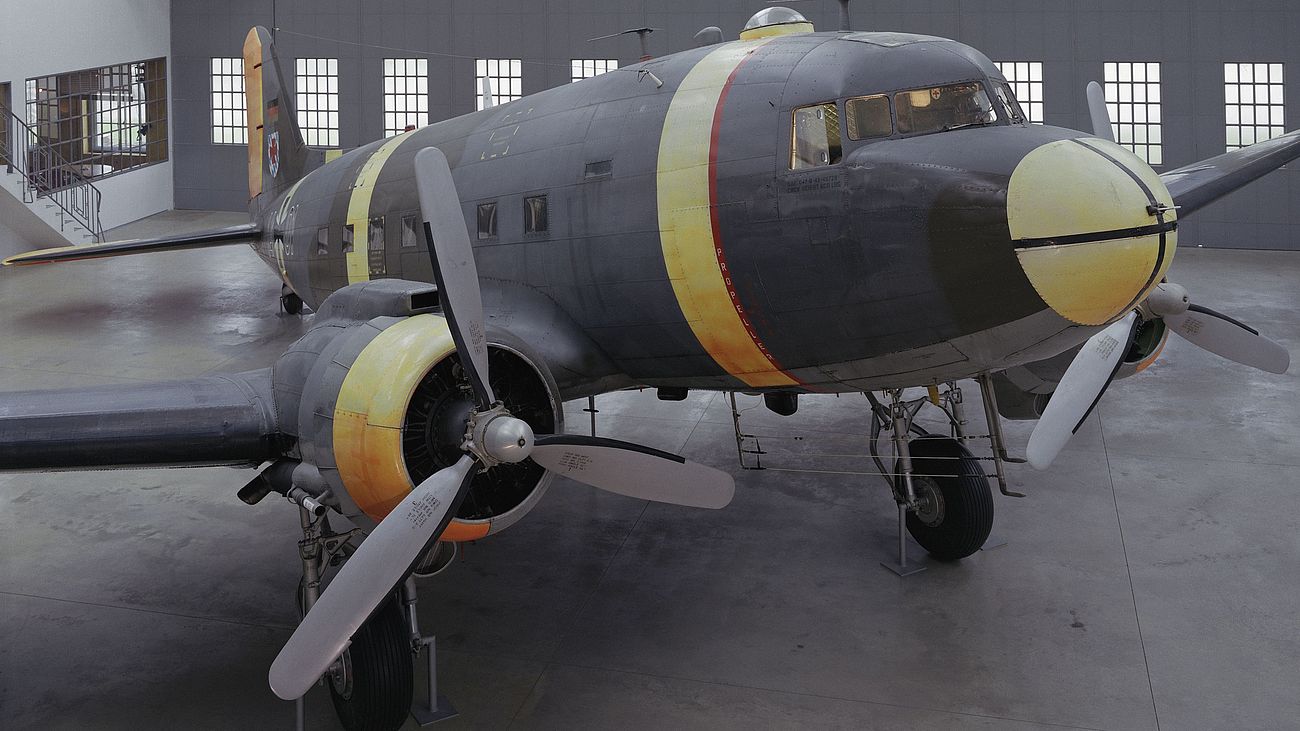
[(47, 174)]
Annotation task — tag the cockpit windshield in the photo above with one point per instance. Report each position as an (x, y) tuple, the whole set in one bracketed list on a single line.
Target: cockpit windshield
[(941, 108)]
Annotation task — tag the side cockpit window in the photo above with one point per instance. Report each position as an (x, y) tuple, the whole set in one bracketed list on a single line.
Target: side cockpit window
[(1010, 106), (868, 117), (943, 108), (816, 138)]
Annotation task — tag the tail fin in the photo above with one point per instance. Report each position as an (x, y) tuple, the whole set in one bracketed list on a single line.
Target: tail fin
[(277, 155)]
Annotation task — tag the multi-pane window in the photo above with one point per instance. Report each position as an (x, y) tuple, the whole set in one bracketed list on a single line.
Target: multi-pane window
[(585, 68), (229, 109), (1133, 101), (100, 121), (506, 76), (406, 94), (318, 100), (1252, 94), (1026, 79)]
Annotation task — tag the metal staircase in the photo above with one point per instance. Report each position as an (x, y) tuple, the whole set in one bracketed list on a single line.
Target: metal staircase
[(37, 174)]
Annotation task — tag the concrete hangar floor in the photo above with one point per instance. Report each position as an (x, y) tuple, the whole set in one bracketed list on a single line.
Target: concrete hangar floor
[(1149, 578)]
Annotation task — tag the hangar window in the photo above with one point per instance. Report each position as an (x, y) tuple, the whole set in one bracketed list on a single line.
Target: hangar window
[(410, 239), (816, 137), (943, 108), (229, 108), (1026, 80), (585, 68), (1133, 101), (487, 220), (322, 242), (1252, 94), (348, 234), (506, 75), (535, 214), (100, 121), (317, 84), (868, 117), (406, 94)]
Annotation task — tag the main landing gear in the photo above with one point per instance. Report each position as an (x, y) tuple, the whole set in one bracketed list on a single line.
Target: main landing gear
[(371, 683), (943, 496)]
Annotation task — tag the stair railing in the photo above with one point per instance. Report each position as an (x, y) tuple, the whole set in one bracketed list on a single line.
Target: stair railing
[(47, 175)]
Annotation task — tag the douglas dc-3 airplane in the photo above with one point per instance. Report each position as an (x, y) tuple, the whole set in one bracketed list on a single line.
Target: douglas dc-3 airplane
[(793, 212)]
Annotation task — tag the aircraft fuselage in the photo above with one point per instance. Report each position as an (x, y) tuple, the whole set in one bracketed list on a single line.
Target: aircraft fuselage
[(688, 235)]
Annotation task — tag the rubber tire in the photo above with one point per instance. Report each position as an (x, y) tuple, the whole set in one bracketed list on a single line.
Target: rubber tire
[(291, 303), (967, 498), (383, 673)]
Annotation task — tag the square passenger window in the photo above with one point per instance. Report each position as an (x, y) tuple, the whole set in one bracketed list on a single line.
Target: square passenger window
[(535, 214), (410, 239), (348, 234), (322, 242), (487, 220)]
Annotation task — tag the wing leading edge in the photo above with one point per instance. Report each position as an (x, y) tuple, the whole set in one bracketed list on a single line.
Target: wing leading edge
[(243, 234)]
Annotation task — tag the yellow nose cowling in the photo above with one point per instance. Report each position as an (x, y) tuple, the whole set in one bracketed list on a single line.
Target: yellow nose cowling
[(1080, 213)]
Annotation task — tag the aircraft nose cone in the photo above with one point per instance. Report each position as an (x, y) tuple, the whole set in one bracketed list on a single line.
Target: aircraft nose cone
[(1081, 218)]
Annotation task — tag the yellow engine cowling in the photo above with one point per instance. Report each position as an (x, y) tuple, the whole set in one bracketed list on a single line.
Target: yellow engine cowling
[(384, 409)]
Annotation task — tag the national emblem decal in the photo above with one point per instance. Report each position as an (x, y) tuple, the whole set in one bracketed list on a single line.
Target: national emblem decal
[(273, 153)]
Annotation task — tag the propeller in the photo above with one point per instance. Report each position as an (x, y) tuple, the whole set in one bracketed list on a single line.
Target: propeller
[(493, 436), (1215, 331), (1099, 113), (1080, 388)]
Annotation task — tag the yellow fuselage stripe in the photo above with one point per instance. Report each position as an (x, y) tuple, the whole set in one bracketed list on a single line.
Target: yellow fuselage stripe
[(359, 209), (692, 254)]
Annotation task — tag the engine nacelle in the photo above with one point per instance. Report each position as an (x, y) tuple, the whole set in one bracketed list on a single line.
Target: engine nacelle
[(381, 405)]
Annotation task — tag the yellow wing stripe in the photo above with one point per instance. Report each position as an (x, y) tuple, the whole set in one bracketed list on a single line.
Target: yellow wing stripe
[(359, 209), (692, 254)]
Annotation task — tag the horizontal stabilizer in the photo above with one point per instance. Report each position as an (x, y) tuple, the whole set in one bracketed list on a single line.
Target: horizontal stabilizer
[(1197, 185), (243, 234)]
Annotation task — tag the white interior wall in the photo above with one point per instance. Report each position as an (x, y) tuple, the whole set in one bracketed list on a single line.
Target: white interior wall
[(35, 41)]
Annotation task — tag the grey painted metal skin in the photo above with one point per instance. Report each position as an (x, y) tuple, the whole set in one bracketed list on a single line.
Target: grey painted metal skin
[(893, 268)]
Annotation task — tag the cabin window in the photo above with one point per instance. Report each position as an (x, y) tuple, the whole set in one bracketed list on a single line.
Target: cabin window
[(1010, 107), (487, 220), (348, 234), (375, 247), (322, 242), (816, 137), (868, 117), (535, 214), (410, 239), (942, 108)]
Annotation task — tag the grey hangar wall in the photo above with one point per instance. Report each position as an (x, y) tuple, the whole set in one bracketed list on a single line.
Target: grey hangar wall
[(1191, 39)]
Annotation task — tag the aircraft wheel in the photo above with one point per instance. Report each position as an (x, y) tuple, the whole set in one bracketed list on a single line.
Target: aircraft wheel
[(955, 511), (371, 685), (291, 303)]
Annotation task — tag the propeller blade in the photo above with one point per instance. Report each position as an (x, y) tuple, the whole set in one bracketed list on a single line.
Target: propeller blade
[(489, 99), (453, 267), (634, 470), (383, 560), (1226, 337), (1097, 110), (1080, 388)]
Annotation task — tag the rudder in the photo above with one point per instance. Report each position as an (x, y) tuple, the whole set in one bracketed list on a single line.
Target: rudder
[(277, 155)]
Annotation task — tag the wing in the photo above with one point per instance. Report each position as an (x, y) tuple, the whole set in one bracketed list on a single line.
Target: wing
[(242, 234), (1196, 186), (217, 420)]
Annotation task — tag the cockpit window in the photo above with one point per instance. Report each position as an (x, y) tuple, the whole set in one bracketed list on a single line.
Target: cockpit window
[(868, 117), (816, 137), (943, 108), (1010, 106)]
